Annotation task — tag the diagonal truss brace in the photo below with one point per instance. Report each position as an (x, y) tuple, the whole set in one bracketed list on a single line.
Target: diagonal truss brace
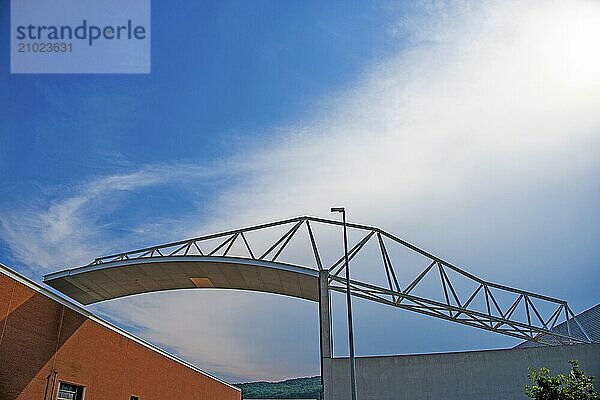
[(452, 313)]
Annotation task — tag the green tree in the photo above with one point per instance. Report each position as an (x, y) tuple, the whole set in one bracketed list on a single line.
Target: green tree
[(574, 386)]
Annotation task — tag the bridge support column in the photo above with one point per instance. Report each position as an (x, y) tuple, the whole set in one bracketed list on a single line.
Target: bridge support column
[(326, 335)]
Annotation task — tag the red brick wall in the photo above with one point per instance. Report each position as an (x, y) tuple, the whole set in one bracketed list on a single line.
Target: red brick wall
[(39, 335)]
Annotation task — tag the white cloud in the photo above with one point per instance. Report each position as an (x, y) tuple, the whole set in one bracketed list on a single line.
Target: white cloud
[(64, 232), (470, 140), (231, 334)]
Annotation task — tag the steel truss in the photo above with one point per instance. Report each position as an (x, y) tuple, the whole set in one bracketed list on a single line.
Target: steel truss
[(525, 317)]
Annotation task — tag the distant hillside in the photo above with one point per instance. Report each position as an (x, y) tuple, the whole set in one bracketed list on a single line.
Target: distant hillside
[(298, 388)]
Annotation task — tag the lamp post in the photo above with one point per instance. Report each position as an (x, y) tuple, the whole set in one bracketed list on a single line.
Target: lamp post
[(348, 304)]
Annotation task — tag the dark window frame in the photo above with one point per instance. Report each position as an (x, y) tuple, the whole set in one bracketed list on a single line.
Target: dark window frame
[(80, 394)]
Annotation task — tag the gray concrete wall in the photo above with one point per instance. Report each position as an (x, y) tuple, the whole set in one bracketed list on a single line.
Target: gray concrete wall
[(325, 330), (491, 374)]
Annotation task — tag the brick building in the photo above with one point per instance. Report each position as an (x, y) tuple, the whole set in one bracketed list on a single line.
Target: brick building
[(52, 349)]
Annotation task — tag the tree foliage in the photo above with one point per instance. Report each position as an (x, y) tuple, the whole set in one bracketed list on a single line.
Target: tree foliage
[(573, 386), (299, 388)]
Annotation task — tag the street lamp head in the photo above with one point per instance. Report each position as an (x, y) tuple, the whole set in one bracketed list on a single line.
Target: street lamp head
[(338, 209)]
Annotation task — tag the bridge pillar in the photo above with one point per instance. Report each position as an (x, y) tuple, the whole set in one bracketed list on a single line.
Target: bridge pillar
[(326, 335)]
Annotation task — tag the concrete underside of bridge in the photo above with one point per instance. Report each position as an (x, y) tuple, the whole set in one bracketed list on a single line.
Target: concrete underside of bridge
[(94, 283)]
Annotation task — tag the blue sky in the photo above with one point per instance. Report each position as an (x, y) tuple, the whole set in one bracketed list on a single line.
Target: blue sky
[(470, 129), (217, 73)]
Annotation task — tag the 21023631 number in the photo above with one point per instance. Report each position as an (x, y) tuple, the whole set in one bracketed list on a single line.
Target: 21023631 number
[(45, 47)]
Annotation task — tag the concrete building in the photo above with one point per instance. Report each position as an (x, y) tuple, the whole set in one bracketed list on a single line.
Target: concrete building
[(489, 374), (52, 349), (472, 375)]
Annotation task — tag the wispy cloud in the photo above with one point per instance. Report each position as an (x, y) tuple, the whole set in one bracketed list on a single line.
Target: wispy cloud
[(480, 140), (65, 231)]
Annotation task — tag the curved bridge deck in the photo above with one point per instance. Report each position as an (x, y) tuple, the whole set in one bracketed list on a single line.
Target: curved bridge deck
[(107, 281)]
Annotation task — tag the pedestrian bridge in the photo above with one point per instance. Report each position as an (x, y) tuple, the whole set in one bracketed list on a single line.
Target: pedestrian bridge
[(257, 258)]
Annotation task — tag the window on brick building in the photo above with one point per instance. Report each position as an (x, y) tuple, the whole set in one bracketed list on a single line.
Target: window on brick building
[(68, 391), (134, 398)]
